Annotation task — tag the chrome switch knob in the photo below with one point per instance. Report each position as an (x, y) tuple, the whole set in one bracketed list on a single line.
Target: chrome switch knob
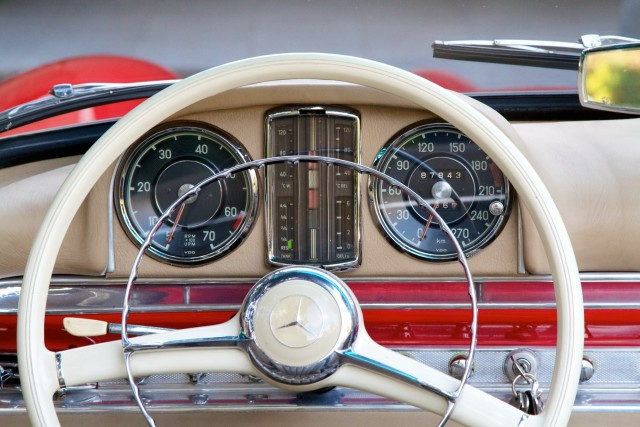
[(587, 369), (457, 366)]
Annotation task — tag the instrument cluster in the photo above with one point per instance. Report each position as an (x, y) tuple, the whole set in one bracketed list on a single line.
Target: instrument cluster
[(312, 210)]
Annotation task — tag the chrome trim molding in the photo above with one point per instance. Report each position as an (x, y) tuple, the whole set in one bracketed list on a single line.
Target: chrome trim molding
[(74, 295), (111, 257), (67, 280), (521, 268)]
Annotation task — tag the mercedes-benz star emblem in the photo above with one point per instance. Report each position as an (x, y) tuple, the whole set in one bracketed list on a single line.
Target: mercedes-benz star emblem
[(297, 321)]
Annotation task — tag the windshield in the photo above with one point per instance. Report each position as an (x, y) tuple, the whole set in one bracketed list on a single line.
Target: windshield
[(187, 37)]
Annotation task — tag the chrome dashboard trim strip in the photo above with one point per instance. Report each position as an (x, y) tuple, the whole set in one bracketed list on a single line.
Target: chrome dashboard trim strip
[(65, 280), (522, 269), (111, 259), (14, 408), (75, 300)]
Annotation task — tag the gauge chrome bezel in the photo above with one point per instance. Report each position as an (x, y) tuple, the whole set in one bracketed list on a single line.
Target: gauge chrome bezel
[(381, 223), (329, 110), (236, 149)]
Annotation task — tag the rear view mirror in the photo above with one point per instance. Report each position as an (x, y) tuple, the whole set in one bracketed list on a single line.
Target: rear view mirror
[(609, 78)]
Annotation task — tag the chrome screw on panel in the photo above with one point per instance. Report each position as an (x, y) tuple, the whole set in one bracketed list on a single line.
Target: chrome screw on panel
[(457, 366), (587, 369), (199, 399), (496, 208)]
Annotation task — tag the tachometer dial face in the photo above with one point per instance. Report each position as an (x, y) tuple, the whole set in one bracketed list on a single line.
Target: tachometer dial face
[(455, 177), (167, 164)]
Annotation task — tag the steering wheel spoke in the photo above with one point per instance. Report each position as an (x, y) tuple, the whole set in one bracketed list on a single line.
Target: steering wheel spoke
[(205, 349), (369, 355), (376, 369)]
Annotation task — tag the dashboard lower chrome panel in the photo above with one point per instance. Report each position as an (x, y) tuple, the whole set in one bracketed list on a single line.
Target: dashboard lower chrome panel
[(610, 390)]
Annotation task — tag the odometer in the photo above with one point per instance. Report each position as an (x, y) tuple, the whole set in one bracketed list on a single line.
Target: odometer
[(165, 165), (454, 176)]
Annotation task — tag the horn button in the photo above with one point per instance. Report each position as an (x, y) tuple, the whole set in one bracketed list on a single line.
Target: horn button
[(299, 319)]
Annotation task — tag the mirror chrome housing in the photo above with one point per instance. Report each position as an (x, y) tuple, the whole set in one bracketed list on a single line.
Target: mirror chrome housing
[(609, 78)]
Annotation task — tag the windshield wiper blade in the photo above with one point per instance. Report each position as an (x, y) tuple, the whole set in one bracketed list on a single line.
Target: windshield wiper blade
[(512, 52), (65, 98), (532, 53)]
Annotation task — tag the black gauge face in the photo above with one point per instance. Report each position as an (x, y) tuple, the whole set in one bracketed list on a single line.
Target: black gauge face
[(166, 165), (455, 177)]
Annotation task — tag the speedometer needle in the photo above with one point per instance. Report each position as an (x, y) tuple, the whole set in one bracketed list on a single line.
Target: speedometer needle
[(175, 223), (426, 227)]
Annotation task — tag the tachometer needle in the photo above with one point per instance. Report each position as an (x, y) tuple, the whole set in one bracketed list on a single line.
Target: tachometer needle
[(175, 223), (426, 227)]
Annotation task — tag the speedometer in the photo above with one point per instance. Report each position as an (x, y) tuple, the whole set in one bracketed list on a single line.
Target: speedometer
[(454, 176), (165, 165)]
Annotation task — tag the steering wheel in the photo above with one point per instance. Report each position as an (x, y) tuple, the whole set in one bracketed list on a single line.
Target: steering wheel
[(42, 372)]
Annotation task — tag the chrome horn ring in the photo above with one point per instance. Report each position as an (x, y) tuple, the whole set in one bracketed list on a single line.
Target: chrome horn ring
[(252, 340)]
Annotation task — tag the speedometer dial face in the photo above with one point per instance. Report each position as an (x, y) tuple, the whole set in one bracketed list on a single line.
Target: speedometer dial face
[(167, 164), (454, 176)]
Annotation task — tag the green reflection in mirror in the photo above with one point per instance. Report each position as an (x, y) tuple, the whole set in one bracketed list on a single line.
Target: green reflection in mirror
[(610, 78)]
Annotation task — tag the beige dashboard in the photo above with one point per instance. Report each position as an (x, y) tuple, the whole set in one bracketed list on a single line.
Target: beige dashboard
[(589, 168)]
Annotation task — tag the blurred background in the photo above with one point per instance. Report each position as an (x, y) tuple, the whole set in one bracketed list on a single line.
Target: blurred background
[(188, 36)]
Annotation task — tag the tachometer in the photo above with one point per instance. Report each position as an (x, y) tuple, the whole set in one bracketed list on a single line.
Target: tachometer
[(455, 176), (165, 165)]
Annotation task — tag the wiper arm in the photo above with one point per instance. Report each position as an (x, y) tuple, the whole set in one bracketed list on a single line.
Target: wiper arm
[(66, 98), (533, 53)]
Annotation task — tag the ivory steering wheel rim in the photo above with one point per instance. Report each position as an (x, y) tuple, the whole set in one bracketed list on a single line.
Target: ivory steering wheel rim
[(38, 375)]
